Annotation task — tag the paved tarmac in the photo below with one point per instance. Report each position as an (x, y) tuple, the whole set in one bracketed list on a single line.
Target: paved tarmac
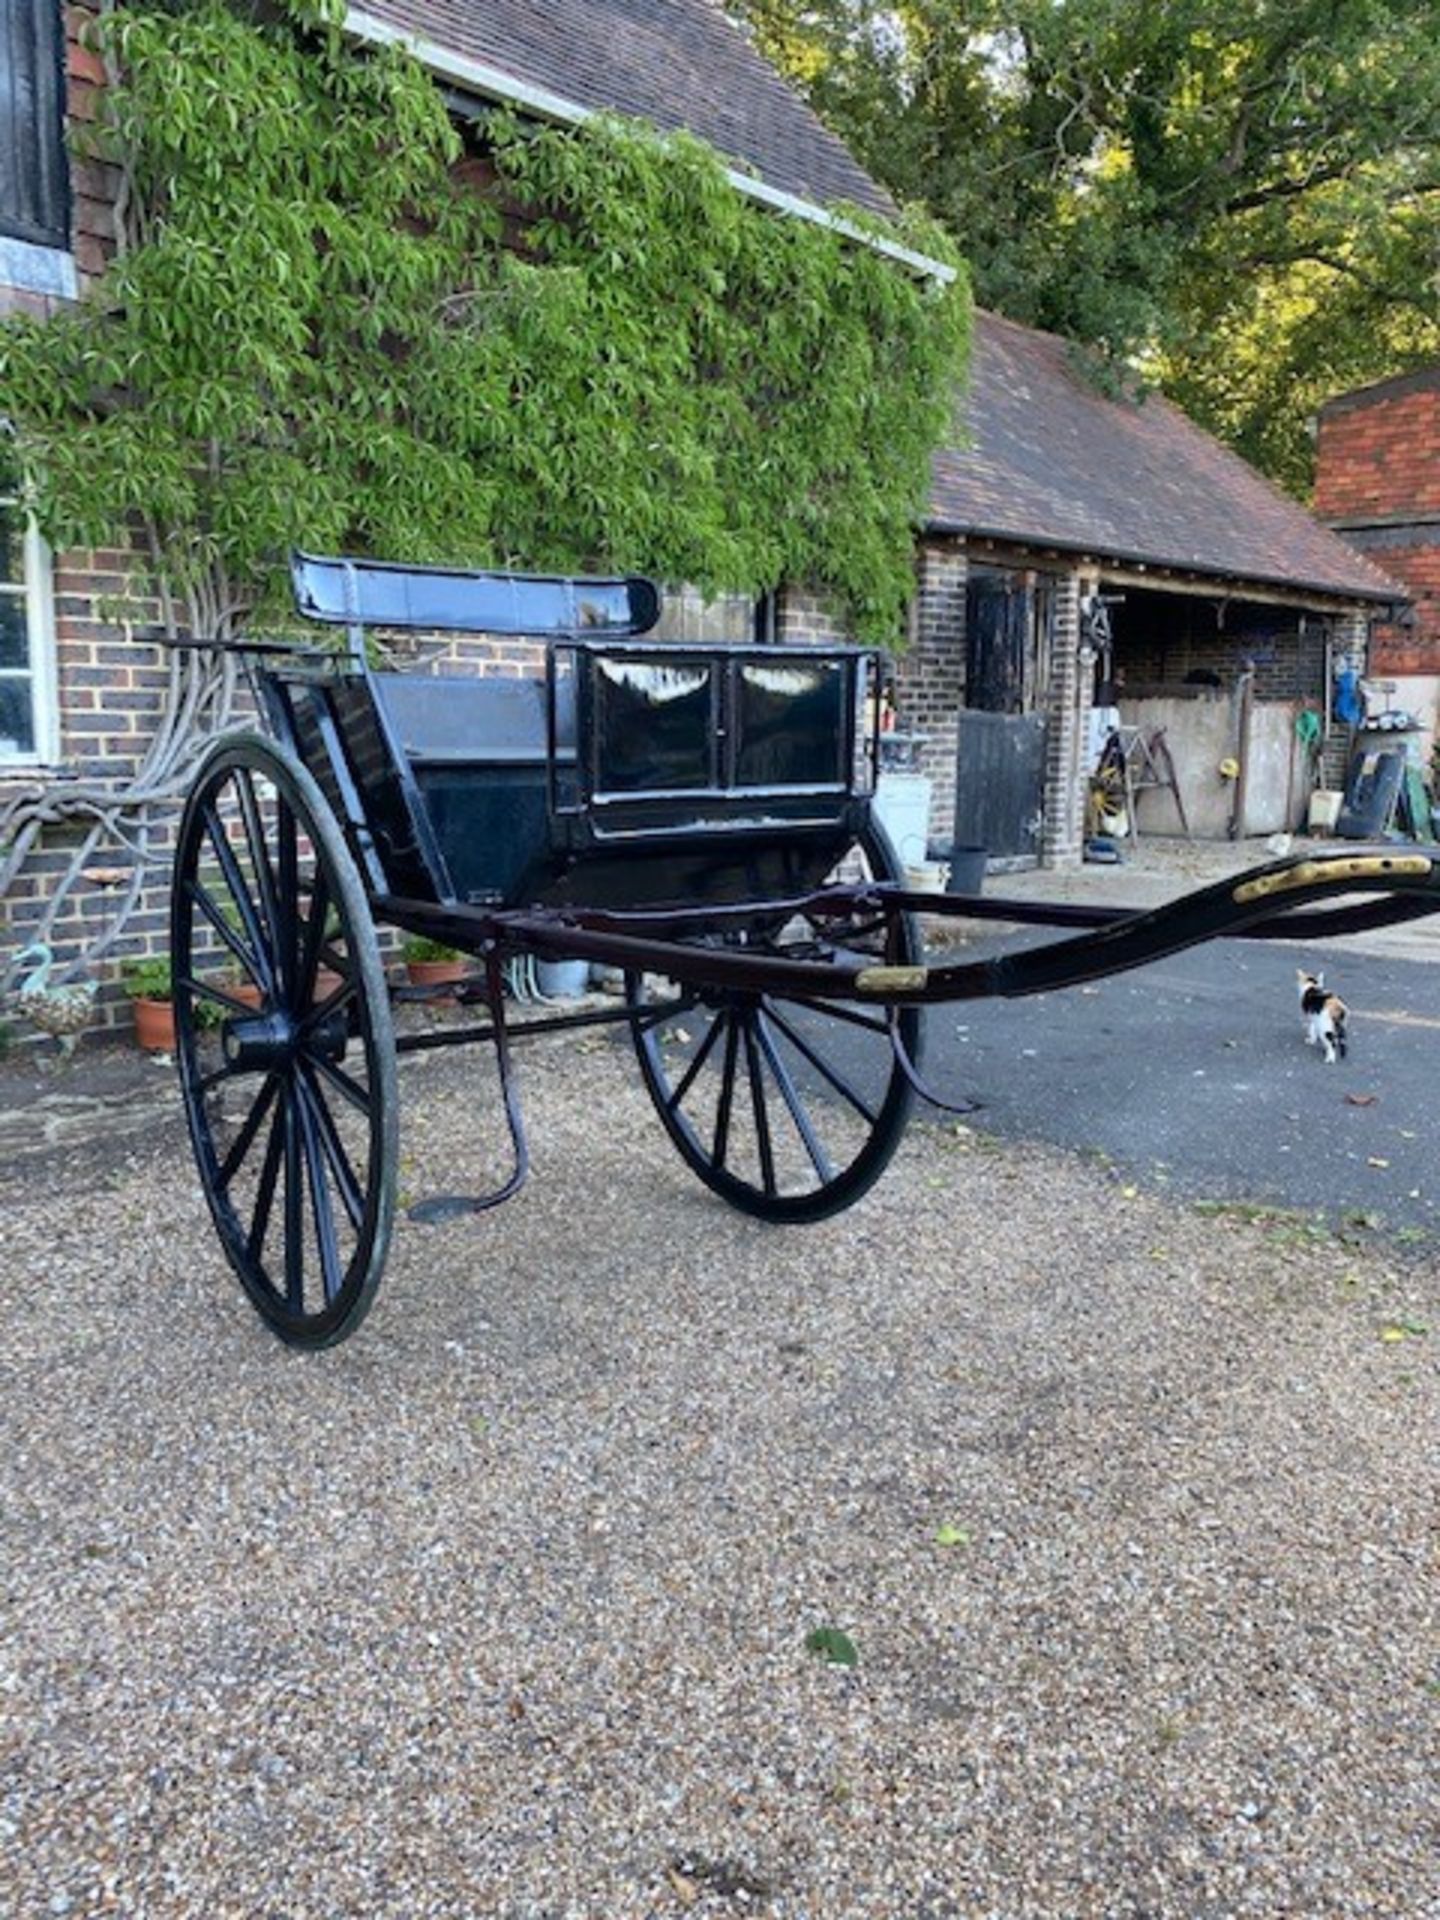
[(1192, 1075)]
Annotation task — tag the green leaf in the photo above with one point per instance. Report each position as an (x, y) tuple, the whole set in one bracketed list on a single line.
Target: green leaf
[(952, 1536), (829, 1643), (316, 336)]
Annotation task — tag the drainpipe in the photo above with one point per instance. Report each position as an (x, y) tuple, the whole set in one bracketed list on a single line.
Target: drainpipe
[(1246, 686)]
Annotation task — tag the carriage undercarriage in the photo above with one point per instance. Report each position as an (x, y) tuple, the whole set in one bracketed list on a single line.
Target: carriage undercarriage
[(774, 973)]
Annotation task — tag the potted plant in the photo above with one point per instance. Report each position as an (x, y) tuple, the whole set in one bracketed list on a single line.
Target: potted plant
[(430, 963), (148, 984)]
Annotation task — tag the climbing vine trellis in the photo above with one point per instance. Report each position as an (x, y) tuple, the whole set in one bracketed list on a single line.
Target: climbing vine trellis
[(319, 330)]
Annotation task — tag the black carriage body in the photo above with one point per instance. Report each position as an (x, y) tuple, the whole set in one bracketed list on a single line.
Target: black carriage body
[(635, 773)]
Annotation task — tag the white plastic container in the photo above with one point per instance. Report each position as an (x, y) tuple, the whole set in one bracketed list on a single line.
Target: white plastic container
[(902, 806), (1325, 804)]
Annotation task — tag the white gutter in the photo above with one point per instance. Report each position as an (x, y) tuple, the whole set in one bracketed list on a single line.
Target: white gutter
[(493, 83)]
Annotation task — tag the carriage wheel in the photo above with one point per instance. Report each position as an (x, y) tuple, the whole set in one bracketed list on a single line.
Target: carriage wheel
[(790, 1109), (284, 1042)]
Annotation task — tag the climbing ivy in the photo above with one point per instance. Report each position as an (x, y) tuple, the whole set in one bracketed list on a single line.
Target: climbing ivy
[(334, 322)]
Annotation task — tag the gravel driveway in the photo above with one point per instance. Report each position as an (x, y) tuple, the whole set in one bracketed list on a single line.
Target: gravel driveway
[(500, 1610)]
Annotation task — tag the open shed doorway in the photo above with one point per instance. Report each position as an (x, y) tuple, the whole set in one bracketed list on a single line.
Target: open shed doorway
[(1226, 679)]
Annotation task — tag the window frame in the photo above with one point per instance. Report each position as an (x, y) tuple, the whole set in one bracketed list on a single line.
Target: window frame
[(36, 588), (53, 207)]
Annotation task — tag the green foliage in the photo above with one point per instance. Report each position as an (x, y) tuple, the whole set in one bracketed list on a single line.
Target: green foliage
[(419, 946), (1242, 201), (317, 338), (149, 979), (831, 1645)]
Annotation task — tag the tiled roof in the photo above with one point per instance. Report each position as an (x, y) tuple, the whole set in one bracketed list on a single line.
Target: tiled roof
[(1398, 386), (676, 63), (1055, 463)]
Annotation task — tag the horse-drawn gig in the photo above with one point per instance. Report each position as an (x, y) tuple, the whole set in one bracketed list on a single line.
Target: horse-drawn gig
[(698, 817)]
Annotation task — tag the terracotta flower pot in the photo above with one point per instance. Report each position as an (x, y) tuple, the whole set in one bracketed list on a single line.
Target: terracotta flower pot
[(246, 990), (436, 973), (155, 1025)]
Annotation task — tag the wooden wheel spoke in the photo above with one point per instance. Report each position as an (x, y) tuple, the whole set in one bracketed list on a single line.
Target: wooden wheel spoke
[(727, 1091), (259, 852), (780, 1073), (692, 1072), (642, 1022), (343, 1083), (253, 964), (823, 1068), (243, 1140), (314, 936), (235, 881), (759, 1106), (332, 1003), (833, 1010), (351, 1197), (287, 933), (207, 990), (332, 1271), (265, 1192), (294, 1208)]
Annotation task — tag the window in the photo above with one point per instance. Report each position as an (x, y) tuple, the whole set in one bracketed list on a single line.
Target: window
[(29, 732), (34, 179), (732, 620)]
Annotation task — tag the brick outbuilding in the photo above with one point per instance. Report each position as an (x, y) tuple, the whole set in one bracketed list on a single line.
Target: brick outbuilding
[(1377, 482)]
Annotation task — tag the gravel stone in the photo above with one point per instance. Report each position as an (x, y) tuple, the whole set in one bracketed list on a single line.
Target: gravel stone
[(499, 1611)]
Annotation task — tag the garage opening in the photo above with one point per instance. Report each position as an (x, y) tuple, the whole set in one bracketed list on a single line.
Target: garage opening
[(1223, 682)]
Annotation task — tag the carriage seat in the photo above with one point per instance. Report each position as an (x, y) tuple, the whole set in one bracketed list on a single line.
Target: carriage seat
[(453, 721)]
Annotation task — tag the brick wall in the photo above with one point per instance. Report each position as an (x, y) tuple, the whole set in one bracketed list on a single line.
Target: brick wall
[(111, 682), (930, 675), (1412, 554), (803, 618), (109, 687), (1377, 481), (1378, 451), (1062, 837)]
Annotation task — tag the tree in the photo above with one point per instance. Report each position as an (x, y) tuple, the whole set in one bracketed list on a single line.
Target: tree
[(1241, 202)]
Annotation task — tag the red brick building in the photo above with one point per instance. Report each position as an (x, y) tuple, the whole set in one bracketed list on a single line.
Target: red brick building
[(1377, 482)]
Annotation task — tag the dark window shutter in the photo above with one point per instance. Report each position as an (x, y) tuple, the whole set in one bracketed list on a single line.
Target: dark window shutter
[(34, 181)]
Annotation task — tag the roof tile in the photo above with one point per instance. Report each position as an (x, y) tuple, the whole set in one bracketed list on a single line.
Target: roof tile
[(676, 63), (1055, 462)]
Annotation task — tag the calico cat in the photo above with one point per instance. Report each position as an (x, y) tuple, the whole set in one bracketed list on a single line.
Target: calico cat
[(1324, 1016)]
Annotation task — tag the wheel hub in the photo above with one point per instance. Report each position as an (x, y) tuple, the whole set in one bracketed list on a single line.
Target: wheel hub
[(263, 1042), (259, 1042)]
